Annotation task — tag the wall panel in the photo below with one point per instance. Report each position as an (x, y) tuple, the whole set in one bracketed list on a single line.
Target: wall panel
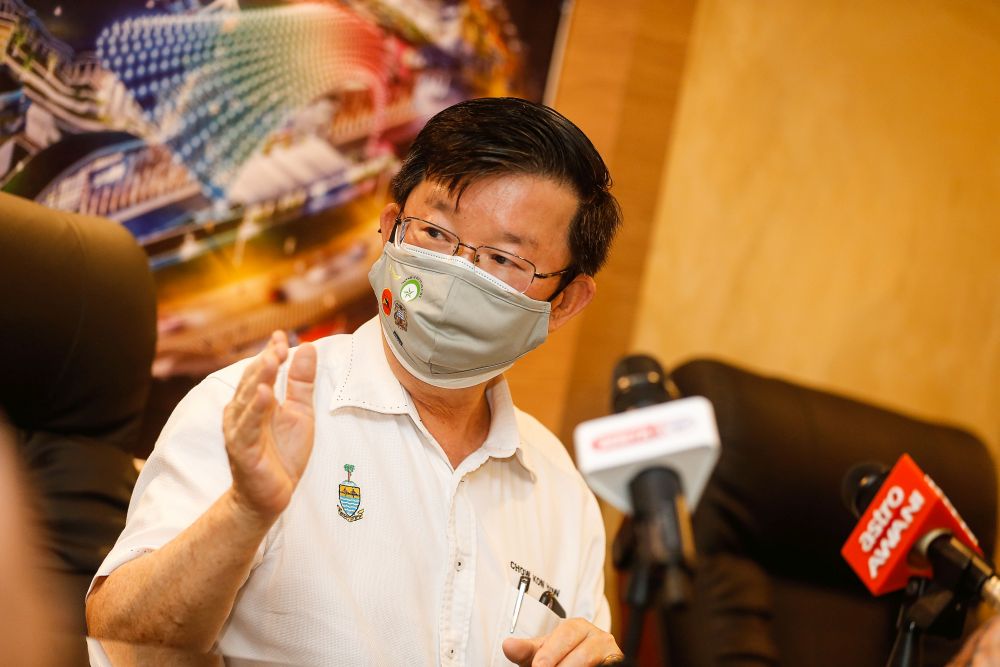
[(830, 207)]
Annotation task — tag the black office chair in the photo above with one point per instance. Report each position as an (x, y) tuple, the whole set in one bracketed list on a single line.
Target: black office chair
[(771, 588), (78, 332)]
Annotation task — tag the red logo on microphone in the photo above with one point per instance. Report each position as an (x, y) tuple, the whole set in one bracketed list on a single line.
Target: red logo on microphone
[(626, 438), (641, 433)]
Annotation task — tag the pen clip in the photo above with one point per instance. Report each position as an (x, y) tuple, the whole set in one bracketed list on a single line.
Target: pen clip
[(522, 588)]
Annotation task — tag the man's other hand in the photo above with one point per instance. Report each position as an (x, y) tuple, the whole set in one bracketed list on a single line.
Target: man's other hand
[(574, 643), (269, 443), (982, 649)]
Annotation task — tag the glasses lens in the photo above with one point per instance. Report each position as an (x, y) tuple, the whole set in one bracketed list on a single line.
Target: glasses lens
[(509, 268), (429, 236)]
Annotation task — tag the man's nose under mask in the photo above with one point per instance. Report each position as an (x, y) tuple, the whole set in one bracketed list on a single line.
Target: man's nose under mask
[(449, 323)]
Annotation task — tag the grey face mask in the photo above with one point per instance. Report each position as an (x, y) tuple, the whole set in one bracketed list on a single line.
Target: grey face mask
[(449, 323)]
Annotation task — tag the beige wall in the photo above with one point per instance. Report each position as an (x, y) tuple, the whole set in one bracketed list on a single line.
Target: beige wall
[(831, 206)]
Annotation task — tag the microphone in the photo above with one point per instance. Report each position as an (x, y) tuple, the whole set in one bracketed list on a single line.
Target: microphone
[(908, 528), (647, 432), (651, 460)]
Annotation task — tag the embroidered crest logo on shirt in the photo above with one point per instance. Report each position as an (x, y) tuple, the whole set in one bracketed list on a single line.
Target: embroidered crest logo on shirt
[(350, 498)]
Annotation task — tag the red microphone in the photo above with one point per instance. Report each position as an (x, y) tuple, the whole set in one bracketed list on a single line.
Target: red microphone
[(904, 526)]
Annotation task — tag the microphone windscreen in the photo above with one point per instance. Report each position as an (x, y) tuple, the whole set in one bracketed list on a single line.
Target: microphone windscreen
[(638, 382), (860, 485)]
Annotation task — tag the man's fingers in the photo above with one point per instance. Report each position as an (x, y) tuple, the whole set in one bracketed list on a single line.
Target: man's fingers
[(264, 369), (566, 637), (246, 432), (302, 375), (280, 341), (595, 649), (521, 650), (574, 643)]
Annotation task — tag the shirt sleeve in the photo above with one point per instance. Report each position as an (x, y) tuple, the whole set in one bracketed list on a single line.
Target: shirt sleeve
[(187, 472)]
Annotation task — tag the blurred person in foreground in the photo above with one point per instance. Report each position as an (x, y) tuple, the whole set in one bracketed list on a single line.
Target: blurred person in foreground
[(982, 649), (377, 498), (31, 625)]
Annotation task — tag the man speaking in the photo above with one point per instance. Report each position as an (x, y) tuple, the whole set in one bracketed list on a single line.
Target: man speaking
[(377, 499)]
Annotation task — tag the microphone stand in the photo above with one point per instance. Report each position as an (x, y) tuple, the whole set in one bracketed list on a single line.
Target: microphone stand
[(929, 608), (938, 606), (657, 547), (907, 651)]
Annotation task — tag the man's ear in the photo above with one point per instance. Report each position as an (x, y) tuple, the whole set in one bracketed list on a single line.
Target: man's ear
[(387, 220), (571, 301)]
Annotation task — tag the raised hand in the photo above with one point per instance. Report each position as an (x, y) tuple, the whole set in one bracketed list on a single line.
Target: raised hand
[(269, 442), (186, 589)]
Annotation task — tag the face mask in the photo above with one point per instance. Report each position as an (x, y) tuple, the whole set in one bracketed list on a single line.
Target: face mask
[(449, 323)]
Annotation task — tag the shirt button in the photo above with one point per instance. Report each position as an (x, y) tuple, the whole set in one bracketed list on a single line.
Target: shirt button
[(458, 565)]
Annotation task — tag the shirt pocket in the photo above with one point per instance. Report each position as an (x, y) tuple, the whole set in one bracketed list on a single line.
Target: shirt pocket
[(534, 620)]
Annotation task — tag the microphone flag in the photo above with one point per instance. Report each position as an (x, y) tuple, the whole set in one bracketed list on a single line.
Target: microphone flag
[(907, 508)]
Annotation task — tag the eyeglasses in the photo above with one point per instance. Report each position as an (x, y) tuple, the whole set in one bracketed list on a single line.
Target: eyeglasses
[(517, 272)]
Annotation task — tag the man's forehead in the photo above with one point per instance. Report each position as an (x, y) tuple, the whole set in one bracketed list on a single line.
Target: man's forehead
[(443, 196), (440, 199), (442, 205), (447, 196), (528, 211)]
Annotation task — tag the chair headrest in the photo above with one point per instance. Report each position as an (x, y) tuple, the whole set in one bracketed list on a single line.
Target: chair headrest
[(78, 326), (775, 494)]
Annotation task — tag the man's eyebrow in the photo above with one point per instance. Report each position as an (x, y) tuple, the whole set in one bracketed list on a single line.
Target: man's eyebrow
[(510, 237), (443, 205)]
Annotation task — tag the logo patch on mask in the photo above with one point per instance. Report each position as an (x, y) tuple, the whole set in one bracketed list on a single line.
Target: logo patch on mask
[(386, 301), (350, 498), (399, 316), (411, 289)]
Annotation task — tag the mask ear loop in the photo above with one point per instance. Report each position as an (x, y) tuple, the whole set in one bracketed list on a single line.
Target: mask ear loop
[(564, 281), (392, 234)]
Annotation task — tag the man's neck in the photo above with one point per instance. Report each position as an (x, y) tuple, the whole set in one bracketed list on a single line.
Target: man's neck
[(459, 419)]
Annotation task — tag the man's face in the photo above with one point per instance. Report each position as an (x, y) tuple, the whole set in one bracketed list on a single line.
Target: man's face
[(528, 216)]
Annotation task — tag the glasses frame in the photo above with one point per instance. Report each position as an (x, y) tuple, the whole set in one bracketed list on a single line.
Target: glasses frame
[(475, 249)]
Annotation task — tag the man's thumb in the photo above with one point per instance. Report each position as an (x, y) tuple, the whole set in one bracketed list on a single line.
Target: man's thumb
[(521, 649)]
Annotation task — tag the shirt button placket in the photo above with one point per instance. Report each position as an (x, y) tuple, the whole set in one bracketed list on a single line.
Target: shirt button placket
[(461, 579)]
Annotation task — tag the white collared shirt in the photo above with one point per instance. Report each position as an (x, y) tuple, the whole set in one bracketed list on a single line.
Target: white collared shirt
[(408, 562)]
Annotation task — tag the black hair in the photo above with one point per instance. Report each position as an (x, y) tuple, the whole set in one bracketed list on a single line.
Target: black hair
[(492, 136)]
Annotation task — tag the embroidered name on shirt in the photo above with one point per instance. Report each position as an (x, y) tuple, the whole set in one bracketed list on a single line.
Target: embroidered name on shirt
[(538, 581), (350, 498)]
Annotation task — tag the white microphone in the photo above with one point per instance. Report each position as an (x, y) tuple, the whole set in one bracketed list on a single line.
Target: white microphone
[(681, 435), (652, 462)]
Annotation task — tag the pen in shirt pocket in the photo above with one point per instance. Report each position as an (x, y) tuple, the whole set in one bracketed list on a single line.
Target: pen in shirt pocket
[(522, 588), (548, 598)]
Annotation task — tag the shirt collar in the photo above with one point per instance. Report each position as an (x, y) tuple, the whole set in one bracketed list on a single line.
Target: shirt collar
[(369, 383), (504, 438)]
